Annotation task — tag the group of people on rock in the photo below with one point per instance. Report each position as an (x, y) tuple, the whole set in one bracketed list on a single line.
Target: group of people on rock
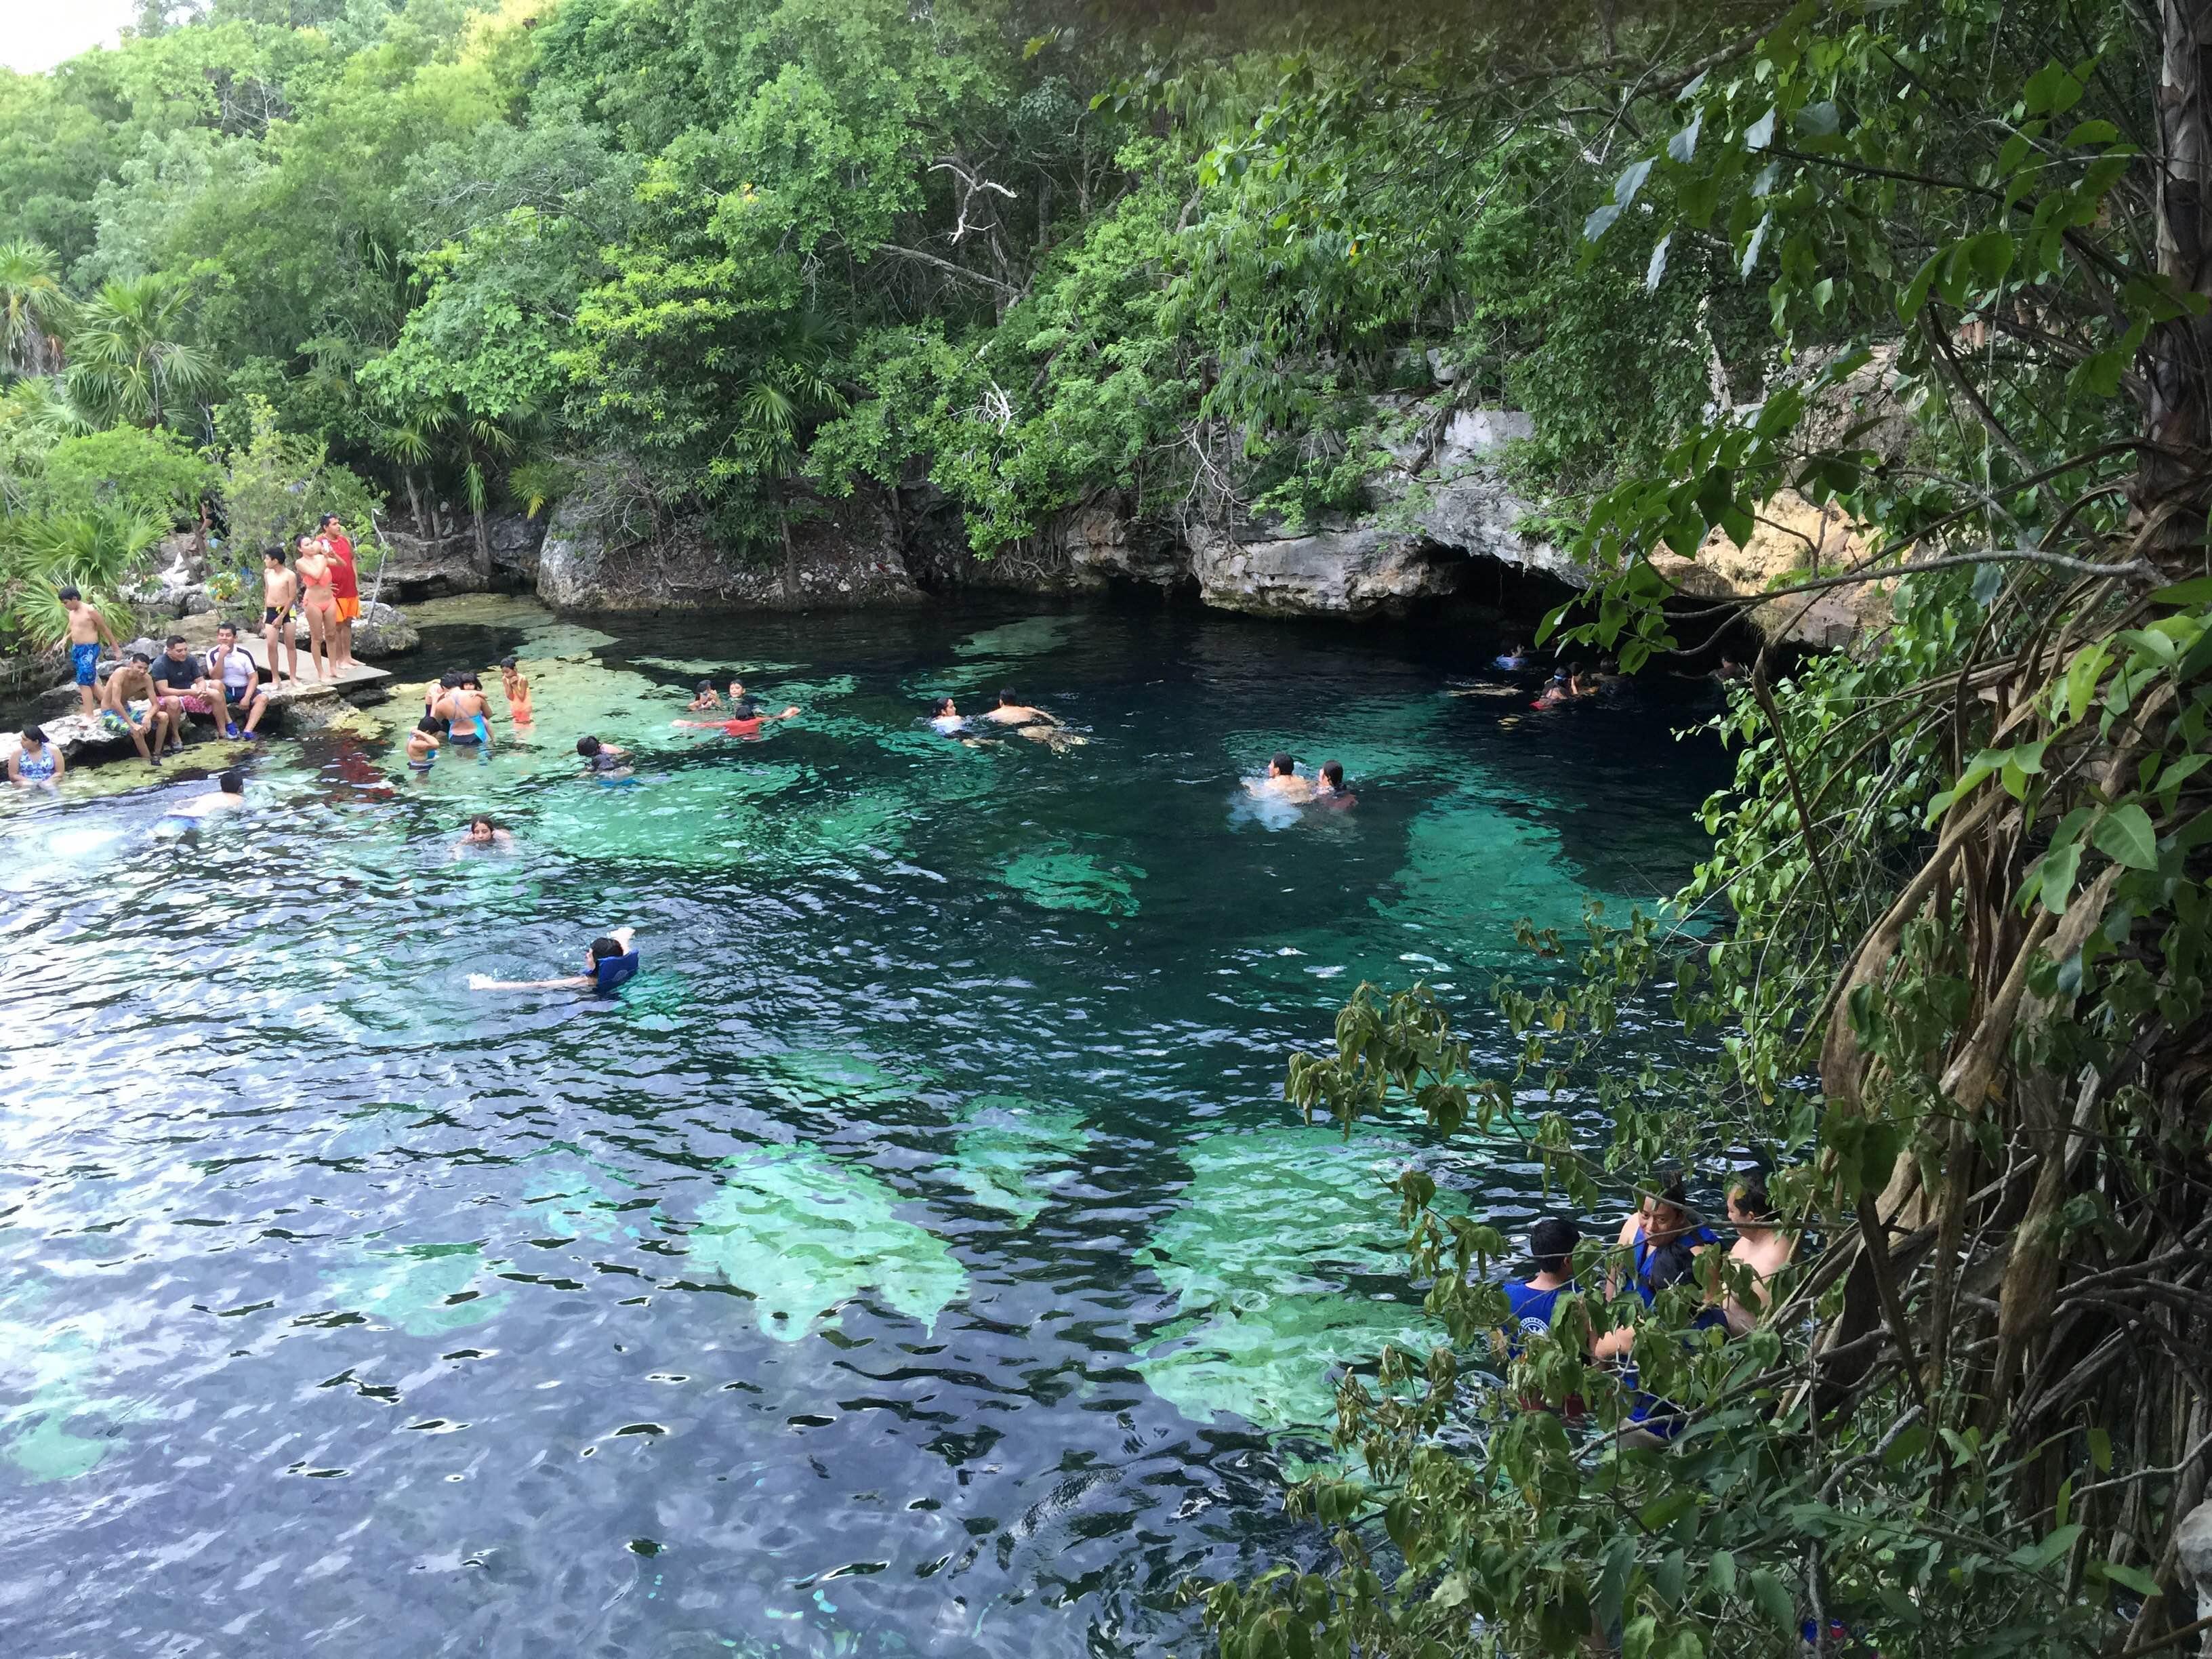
[(325, 589), (1659, 1244)]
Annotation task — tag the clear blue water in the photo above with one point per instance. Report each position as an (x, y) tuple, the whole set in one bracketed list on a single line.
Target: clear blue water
[(916, 1258)]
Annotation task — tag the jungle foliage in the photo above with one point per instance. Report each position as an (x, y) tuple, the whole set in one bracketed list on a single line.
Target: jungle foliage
[(1958, 991)]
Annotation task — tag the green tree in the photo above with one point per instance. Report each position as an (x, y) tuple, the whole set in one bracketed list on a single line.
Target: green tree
[(35, 310), (129, 358)]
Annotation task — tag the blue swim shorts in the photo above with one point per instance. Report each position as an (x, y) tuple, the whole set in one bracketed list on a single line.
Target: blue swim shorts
[(86, 660)]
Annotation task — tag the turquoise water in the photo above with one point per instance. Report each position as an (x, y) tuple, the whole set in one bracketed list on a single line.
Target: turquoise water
[(916, 1257)]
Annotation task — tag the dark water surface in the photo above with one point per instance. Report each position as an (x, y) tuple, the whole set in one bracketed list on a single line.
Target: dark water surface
[(916, 1258)]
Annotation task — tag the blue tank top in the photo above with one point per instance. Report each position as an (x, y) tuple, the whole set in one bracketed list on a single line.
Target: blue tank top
[(611, 971), (1532, 1310)]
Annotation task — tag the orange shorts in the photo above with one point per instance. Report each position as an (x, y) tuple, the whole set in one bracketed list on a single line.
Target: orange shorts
[(348, 609)]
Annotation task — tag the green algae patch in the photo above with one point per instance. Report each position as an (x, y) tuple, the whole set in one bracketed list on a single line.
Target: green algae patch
[(829, 1077), (872, 822), (802, 1234), (1061, 878), (1259, 1255), (1003, 1154), (1471, 872), (1030, 638), (51, 1369), (422, 1289)]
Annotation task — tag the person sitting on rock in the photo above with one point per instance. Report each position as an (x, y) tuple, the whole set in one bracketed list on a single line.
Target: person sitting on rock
[(179, 678), (234, 681), (127, 688)]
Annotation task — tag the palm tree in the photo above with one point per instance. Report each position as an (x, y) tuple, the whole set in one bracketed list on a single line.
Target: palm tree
[(33, 309), (96, 552), (128, 360), (788, 392)]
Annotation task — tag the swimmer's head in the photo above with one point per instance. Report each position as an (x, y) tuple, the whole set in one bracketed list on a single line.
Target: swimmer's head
[(274, 553), (1551, 1242), (737, 686), (470, 683), (603, 949), (1007, 698), (34, 735), (428, 723), (232, 782), (745, 708), (450, 680), (508, 665), (587, 746), (706, 688), (942, 708), (1333, 775), (482, 829), (1282, 767), (1558, 676)]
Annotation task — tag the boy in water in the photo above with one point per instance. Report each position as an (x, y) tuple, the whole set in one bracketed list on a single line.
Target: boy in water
[(517, 689), (130, 684), (602, 756), (707, 698), (228, 795), (1532, 1301), (423, 742), (280, 601), (87, 628), (608, 961)]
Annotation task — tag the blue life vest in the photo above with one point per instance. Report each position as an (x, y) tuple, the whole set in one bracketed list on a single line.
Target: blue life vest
[(1532, 1310), (613, 970)]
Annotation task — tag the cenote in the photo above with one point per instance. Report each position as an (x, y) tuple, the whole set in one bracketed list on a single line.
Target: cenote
[(917, 1257)]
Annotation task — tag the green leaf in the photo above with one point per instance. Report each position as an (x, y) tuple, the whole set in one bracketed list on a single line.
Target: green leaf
[(2039, 1556), (2133, 1578), (2056, 875), (2124, 835), (2197, 590), (2101, 1450), (1657, 271), (1821, 120), (1722, 1570), (1768, 1595)]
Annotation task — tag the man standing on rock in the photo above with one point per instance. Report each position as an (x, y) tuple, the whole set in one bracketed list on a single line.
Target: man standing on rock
[(280, 600), (86, 629), (345, 583)]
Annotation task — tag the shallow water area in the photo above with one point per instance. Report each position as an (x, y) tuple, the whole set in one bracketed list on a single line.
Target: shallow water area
[(916, 1257)]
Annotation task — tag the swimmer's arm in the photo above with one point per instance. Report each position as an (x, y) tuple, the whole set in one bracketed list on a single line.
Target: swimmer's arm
[(573, 982), (789, 713), (623, 936)]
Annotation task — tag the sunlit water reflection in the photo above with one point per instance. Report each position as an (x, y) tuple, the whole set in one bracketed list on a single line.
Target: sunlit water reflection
[(915, 1258)]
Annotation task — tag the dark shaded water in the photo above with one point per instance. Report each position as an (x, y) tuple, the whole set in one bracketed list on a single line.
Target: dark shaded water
[(916, 1258)]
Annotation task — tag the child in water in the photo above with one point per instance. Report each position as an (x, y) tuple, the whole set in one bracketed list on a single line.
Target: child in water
[(422, 744), (707, 698), (518, 691)]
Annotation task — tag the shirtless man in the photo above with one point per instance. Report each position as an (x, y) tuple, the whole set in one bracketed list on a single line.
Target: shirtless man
[(1282, 781), (87, 628), (1760, 1245), (229, 795), (131, 683), (1013, 711), (317, 573), (280, 602)]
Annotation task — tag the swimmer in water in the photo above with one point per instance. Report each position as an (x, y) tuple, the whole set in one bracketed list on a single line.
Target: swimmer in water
[(599, 758), (745, 721), (1013, 711), (608, 961), (1282, 781), (944, 716), (1560, 690), (229, 795), (423, 742), (38, 761), (484, 834), (517, 689), (1512, 659), (1331, 791), (707, 698)]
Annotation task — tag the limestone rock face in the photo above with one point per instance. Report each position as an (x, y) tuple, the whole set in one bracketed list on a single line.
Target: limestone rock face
[(383, 631), (1357, 572), (844, 558)]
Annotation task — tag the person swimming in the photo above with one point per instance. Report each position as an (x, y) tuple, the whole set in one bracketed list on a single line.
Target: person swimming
[(707, 698), (608, 961), (517, 689), (484, 834), (1511, 660), (1282, 781), (602, 757), (229, 795), (1559, 690), (944, 715), (423, 742), (1331, 791), (1013, 711)]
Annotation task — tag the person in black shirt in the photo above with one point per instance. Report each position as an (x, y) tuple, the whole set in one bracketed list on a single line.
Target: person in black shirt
[(177, 675)]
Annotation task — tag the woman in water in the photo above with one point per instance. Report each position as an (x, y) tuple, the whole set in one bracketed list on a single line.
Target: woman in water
[(317, 571), (37, 761), (484, 834), (944, 716), (466, 723)]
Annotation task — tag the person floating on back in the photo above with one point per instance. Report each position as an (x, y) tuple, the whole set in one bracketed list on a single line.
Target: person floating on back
[(609, 960), (86, 629)]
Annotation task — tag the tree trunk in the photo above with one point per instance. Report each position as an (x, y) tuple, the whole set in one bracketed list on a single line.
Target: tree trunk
[(484, 546), (415, 503), (2171, 486), (790, 554)]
